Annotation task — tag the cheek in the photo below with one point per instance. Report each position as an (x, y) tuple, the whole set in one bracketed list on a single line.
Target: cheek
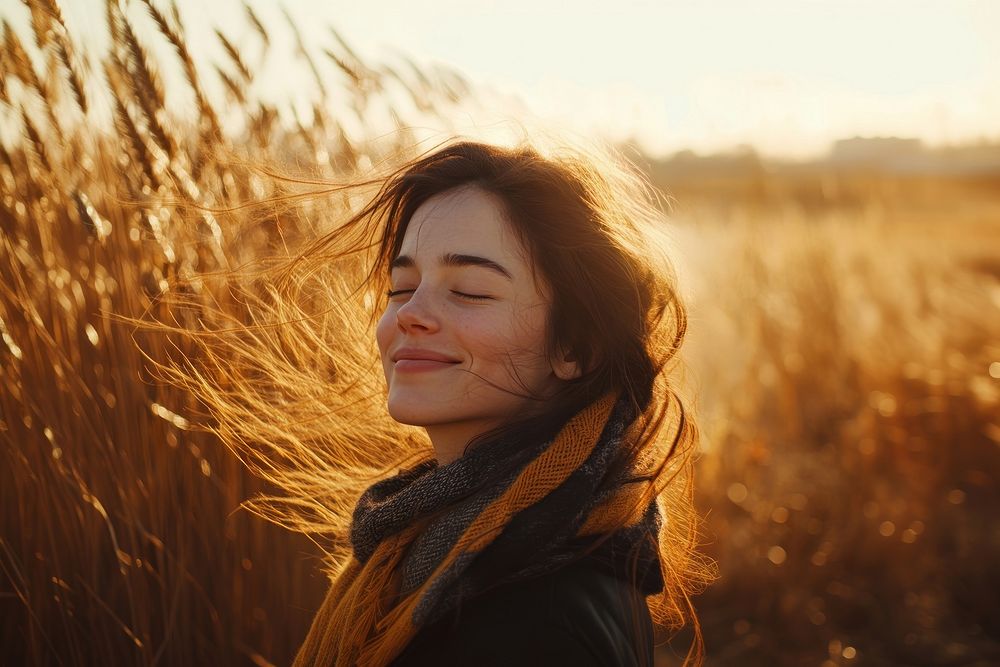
[(517, 341), (384, 331)]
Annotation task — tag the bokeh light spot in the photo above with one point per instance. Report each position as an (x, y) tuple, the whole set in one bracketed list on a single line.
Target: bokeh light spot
[(737, 492)]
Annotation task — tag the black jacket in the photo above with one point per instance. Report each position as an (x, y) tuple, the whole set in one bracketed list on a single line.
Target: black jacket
[(579, 615)]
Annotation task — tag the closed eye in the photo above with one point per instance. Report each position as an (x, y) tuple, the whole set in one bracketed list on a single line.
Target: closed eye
[(471, 297), (462, 295)]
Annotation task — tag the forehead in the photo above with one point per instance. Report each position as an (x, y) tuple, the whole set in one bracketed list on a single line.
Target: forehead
[(466, 220)]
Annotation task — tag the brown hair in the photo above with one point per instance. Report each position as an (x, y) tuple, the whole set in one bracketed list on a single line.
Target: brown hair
[(591, 233)]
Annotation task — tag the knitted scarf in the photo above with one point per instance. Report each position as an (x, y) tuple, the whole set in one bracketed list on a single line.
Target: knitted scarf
[(433, 536)]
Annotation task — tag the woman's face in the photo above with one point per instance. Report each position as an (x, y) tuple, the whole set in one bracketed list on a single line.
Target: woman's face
[(463, 337)]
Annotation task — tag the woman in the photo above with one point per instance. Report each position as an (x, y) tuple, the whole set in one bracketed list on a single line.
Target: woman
[(528, 321), (530, 501)]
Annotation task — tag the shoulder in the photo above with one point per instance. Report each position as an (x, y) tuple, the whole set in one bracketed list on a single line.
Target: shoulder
[(577, 615)]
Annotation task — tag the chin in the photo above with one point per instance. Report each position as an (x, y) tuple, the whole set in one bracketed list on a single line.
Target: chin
[(416, 411), (413, 413)]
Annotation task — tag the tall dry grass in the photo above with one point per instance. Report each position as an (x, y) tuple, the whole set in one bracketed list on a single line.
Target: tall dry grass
[(849, 386), (846, 360), (121, 537)]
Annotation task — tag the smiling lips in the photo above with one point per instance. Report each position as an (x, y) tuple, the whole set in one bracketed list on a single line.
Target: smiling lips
[(415, 360)]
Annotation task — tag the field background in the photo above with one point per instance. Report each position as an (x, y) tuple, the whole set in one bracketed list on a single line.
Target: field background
[(843, 355)]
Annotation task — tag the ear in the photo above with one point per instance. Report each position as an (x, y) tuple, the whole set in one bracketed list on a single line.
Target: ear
[(564, 365)]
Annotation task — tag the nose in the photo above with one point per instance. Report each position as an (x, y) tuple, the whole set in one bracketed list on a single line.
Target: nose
[(419, 313)]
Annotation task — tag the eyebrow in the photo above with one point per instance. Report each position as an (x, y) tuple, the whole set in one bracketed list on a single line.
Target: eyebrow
[(453, 259)]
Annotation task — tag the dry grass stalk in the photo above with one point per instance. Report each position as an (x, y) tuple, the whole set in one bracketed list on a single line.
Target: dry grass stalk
[(234, 55), (40, 152), (235, 89), (16, 58), (141, 77), (17, 61), (257, 25), (175, 36), (56, 27)]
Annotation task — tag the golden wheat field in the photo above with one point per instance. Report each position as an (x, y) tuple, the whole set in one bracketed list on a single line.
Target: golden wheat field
[(843, 356)]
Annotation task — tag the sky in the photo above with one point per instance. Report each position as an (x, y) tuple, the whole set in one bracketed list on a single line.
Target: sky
[(784, 76)]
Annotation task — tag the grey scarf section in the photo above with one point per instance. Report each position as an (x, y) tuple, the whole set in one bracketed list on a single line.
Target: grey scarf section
[(390, 505), (537, 539)]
